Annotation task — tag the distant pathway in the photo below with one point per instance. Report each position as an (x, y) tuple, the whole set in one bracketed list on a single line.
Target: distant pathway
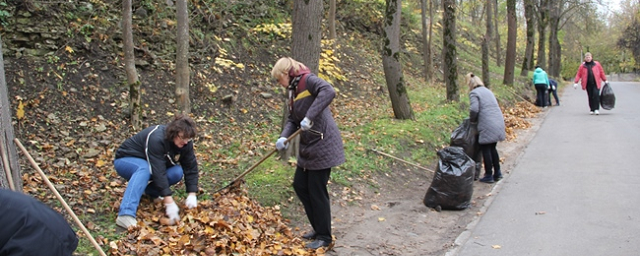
[(576, 188)]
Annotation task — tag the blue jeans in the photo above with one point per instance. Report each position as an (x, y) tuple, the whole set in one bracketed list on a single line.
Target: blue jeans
[(136, 171)]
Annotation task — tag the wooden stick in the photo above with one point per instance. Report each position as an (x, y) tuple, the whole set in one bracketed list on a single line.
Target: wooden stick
[(518, 95), (66, 206), (258, 163), (7, 168), (409, 163)]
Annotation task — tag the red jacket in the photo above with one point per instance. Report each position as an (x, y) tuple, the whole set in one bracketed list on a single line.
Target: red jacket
[(598, 73)]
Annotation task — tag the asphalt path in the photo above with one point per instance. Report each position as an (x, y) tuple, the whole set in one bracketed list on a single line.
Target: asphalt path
[(575, 189)]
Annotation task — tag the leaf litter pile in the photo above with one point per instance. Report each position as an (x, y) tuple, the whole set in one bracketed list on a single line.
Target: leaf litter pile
[(515, 117), (230, 224)]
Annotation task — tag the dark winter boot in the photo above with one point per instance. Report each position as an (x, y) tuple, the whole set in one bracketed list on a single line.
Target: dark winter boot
[(487, 179), (497, 175)]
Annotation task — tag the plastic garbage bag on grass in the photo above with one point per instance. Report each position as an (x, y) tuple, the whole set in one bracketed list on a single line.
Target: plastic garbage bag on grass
[(607, 98), (452, 185)]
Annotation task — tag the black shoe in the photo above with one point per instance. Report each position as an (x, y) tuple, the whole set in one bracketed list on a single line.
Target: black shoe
[(487, 179), (311, 235), (317, 244), (497, 177)]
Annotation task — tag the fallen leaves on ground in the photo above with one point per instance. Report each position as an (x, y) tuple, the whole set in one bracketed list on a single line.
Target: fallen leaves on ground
[(515, 118), (230, 224)]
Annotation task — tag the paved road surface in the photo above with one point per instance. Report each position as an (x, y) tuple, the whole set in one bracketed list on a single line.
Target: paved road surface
[(574, 191)]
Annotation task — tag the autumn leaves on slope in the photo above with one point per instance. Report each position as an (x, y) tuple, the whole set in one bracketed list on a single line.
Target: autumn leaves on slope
[(233, 223)]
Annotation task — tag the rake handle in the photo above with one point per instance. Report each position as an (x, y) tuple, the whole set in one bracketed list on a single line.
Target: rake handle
[(55, 192), (261, 161)]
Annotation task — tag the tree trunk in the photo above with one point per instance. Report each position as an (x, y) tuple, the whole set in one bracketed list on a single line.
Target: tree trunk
[(510, 61), (486, 76), (182, 58), (497, 34), (307, 33), (332, 19), (426, 40), (449, 52), (306, 48), (554, 44), (135, 109), (430, 42), (391, 61), (543, 14), (527, 61), (10, 155)]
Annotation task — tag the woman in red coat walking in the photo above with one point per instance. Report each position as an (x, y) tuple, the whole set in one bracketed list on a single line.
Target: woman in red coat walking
[(592, 76)]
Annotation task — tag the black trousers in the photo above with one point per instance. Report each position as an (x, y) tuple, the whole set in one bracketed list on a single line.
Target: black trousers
[(491, 158), (594, 96), (311, 188), (541, 98)]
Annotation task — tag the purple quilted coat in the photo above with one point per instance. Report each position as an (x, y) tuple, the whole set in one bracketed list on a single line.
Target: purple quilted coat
[(321, 146)]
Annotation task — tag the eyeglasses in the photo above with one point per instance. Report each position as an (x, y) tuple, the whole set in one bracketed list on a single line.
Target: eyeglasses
[(185, 140)]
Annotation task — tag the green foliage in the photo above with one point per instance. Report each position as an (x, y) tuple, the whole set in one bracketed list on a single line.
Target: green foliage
[(4, 15), (274, 31), (361, 15)]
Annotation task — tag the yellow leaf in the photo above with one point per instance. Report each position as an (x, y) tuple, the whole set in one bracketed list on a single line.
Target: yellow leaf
[(20, 111), (68, 49), (381, 219), (496, 246), (100, 163)]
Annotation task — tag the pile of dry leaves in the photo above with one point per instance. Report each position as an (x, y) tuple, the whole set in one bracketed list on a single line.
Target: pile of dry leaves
[(515, 118), (230, 224)]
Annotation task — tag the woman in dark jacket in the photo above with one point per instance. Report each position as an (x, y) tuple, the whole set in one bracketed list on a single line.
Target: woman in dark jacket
[(320, 143), (161, 154), (30, 227), (485, 112)]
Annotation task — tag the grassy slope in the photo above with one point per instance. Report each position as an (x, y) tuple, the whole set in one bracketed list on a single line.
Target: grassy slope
[(362, 108)]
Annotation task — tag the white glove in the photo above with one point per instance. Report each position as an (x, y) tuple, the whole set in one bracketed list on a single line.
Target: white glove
[(575, 86), (191, 202), (306, 124), (280, 143), (604, 82), (172, 211)]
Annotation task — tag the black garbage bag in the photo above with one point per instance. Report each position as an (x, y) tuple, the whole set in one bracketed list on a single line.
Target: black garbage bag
[(452, 185), (466, 136), (607, 98)]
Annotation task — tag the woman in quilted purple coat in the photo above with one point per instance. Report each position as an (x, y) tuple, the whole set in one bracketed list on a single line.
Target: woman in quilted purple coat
[(320, 143), (485, 112)]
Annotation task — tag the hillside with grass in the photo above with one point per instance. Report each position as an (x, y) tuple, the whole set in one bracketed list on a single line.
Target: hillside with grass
[(69, 99)]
